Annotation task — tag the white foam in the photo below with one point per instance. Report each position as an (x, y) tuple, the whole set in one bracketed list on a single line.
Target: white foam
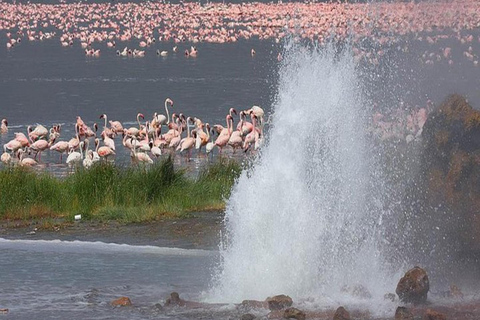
[(96, 247)]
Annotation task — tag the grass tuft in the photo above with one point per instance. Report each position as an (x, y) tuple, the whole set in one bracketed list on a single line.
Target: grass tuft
[(109, 192)]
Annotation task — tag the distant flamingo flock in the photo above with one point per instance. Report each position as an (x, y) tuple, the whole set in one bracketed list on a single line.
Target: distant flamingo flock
[(141, 25), (146, 141)]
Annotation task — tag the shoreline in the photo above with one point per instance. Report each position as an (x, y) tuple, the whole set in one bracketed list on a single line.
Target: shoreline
[(199, 231)]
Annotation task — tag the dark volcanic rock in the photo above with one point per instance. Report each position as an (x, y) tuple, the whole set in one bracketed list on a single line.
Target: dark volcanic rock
[(444, 195), (413, 286), (403, 313), (341, 314), (247, 316), (433, 315), (122, 301), (174, 300), (279, 302), (294, 313), (254, 304)]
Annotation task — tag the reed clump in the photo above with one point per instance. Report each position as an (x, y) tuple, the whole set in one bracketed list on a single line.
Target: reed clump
[(109, 192)]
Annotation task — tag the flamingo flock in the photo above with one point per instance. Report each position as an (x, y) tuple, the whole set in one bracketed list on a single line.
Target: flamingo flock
[(167, 133), (150, 24)]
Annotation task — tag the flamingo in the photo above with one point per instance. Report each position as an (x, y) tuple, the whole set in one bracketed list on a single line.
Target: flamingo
[(224, 136), (244, 126), (140, 157), (4, 127), (95, 156), (188, 142), (20, 137), (253, 136), (75, 158), (160, 119), (210, 144), (61, 147), (135, 131), (156, 152), (235, 140), (75, 141), (25, 162), (39, 146), (258, 112), (116, 126), (37, 133), (202, 136), (88, 161), (13, 145), (104, 151), (108, 132), (6, 158), (109, 142)]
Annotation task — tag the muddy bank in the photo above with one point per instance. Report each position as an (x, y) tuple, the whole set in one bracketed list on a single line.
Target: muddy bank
[(200, 231)]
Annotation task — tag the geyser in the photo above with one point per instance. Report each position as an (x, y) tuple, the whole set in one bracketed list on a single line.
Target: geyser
[(306, 219)]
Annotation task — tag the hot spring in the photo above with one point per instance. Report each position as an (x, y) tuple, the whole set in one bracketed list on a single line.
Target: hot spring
[(317, 216)]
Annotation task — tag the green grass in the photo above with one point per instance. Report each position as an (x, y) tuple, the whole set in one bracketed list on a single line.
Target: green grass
[(107, 192)]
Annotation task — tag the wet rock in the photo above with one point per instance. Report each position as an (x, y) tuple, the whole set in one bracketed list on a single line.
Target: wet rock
[(413, 286), (433, 315), (122, 302), (294, 313), (254, 304), (403, 313), (279, 302), (341, 314), (448, 180), (174, 300), (247, 316)]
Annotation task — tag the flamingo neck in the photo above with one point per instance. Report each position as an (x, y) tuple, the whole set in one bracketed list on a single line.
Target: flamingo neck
[(166, 110)]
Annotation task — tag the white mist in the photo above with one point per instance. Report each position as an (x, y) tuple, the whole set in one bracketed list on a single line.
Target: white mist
[(301, 221)]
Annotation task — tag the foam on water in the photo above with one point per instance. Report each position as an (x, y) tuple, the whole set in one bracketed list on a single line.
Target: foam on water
[(95, 247), (306, 220)]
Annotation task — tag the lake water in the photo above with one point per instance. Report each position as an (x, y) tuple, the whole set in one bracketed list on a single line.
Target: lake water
[(78, 280), (45, 83)]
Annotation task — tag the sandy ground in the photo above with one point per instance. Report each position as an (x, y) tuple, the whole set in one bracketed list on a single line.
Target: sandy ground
[(201, 231)]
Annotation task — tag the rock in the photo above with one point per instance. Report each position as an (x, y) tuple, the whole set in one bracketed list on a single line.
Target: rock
[(3, 311), (341, 314), (279, 302), (174, 300), (247, 316), (414, 286), (433, 315), (122, 301), (403, 313), (254, 304), (294, 313), (443, 189)]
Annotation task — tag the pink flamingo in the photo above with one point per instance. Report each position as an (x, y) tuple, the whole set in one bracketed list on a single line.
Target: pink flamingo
[(104, 151), (4, 127), (224, 136)]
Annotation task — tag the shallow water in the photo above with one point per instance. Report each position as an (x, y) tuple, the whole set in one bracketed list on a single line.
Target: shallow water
[(78, 280)]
